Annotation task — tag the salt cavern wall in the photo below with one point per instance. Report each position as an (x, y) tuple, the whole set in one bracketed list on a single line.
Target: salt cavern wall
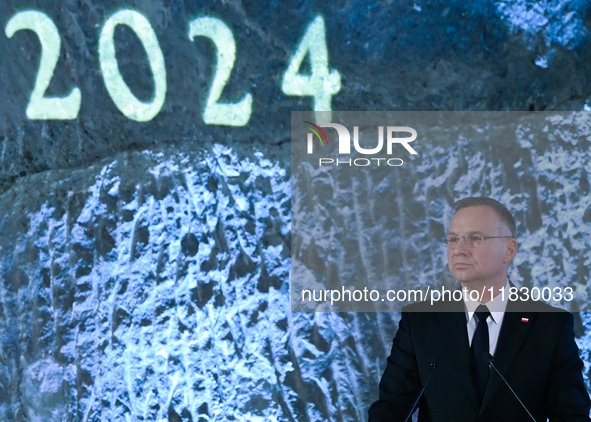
[(144, 264)]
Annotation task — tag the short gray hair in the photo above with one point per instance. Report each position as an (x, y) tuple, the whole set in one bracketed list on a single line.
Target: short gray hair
[(501, 210)]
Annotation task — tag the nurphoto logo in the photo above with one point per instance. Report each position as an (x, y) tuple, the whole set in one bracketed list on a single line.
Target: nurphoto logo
[(344, 144)]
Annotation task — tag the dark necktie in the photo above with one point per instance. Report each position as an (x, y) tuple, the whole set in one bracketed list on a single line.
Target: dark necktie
[(480, 347)]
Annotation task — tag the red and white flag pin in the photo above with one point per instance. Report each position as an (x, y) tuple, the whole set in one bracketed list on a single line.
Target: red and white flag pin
[(524, 319)]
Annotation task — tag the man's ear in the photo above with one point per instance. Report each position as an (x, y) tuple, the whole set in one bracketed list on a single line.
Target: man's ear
[(511, 250)]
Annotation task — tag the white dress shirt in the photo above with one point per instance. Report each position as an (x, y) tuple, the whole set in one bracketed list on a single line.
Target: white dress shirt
[(497, 308)]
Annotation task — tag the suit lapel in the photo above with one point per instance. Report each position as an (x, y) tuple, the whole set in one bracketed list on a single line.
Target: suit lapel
[(511, 337), (456, 338)]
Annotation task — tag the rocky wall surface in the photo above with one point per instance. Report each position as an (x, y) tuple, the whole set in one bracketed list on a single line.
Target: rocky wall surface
[(158, 290), (144, 266)]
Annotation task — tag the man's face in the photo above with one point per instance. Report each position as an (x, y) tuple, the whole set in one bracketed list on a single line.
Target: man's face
[(487, 265)]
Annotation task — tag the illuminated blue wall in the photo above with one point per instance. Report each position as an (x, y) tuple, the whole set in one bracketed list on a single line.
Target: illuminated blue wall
[(145, 242)]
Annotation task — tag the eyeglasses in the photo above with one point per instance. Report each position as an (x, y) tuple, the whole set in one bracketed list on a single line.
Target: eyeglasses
[(472, 241)]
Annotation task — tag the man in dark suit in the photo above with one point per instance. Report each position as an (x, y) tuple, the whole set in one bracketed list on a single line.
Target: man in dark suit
[(452, 342)]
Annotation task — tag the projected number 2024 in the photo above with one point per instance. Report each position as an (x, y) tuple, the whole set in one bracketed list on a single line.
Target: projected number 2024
[(320, 84)]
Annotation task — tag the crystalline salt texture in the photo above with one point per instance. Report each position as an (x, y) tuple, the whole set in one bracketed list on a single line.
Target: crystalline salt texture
[(559, 20)]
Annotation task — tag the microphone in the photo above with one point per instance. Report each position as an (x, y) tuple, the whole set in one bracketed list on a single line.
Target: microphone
[(433, 366), (491, 359)]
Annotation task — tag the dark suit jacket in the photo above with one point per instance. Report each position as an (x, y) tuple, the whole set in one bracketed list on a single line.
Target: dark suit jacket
[(538, 358)]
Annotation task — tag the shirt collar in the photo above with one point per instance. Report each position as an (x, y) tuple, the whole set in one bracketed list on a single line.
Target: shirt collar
[(496, 306)]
